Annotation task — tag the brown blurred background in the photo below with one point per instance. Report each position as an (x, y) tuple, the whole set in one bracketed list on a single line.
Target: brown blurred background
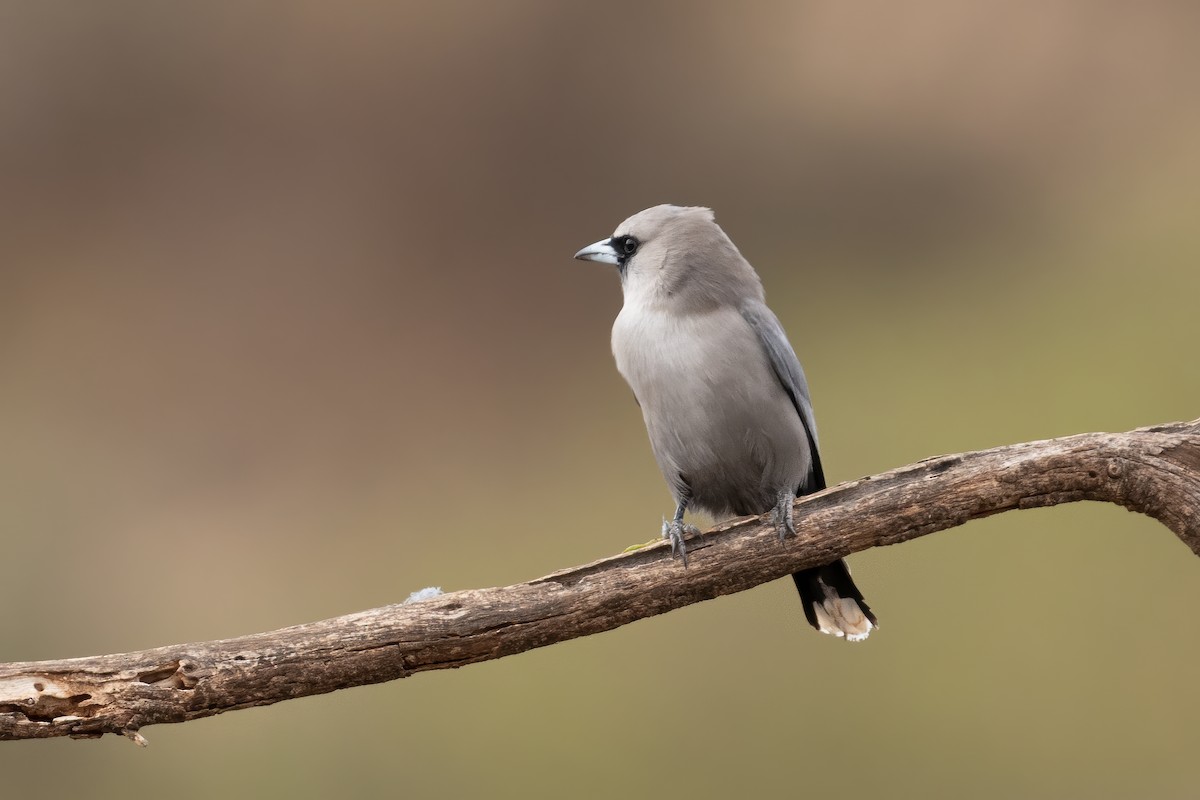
[(289, 327)]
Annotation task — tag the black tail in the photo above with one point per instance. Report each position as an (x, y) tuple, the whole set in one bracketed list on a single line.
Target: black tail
[(832, 603)]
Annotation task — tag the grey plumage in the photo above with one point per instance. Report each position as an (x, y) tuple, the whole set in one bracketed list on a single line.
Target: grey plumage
[(723, 396)]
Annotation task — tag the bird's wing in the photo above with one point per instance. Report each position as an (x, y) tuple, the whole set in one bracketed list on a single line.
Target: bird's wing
[(791, 376)]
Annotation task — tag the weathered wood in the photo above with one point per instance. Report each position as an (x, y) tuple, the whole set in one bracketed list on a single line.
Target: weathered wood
[(1155, 471)]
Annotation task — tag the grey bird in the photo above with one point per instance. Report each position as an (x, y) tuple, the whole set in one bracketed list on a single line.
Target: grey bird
[(722, 393)]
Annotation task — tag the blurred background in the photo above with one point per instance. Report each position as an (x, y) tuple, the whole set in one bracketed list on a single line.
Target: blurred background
[(289, 327)]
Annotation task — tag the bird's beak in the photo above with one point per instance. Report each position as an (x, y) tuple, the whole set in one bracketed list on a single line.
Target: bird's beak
[(601, 251)]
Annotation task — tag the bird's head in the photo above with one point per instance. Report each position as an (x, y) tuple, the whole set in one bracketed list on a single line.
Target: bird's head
[(676, 254)]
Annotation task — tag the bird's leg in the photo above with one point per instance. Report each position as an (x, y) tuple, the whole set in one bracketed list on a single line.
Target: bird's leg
[(676, 529), (783, 514)]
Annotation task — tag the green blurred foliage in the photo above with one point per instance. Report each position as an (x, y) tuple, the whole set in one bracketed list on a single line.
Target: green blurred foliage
[(290, 328)]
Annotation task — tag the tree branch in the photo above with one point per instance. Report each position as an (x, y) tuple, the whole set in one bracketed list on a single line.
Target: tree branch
[(1155, 471)]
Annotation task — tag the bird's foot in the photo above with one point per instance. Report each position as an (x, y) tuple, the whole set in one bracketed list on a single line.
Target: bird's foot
[(784, 523), (675, 530)]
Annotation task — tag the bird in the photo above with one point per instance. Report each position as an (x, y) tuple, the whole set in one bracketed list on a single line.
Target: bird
[(724, 398)]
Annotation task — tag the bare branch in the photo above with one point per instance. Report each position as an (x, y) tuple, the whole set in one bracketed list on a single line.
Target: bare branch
[(1155, 471)]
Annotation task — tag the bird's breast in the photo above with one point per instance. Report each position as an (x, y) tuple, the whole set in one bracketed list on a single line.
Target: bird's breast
[(698, 376), (661, 353)]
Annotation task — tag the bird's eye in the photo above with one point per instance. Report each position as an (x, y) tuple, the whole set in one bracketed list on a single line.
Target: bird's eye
[(627, 245)]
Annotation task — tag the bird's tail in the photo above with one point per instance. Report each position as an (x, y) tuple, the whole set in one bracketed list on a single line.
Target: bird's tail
[(833, 604)]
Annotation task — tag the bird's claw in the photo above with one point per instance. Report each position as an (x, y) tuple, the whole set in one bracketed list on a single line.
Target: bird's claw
[(675, 530), (784, 522)]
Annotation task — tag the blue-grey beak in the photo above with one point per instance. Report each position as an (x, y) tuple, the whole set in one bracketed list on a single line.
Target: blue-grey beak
[(602, 251)]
